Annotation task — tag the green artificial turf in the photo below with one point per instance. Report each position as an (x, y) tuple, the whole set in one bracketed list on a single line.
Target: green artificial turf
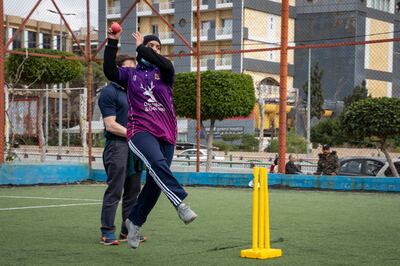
[(311, 227)]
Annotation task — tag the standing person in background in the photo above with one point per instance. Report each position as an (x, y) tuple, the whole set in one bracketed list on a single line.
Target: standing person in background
[(328, 162), (122, 167), (152, 126)]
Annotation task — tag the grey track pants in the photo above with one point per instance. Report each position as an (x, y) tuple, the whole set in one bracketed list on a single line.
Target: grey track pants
[(115, 159)]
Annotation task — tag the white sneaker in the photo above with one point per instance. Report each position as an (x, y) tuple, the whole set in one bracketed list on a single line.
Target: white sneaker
[(185, 213), (133, 234)]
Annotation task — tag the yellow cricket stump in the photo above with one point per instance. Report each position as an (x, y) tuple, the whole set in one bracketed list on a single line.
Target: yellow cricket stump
[(260, 232)]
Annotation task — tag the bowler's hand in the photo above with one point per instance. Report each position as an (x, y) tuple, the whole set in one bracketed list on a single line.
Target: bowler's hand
[(138, 38), (114, 36)]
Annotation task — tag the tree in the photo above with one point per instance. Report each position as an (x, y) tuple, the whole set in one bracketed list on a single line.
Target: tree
[(294, 143), (223, 95), (43, 70), (359, 93), (249, 143), (35, 71), (327, 132), (377, 118), (99, 79), (317, 99)]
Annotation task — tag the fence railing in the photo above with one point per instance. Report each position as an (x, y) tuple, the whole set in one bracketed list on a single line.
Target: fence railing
[(343, 60)]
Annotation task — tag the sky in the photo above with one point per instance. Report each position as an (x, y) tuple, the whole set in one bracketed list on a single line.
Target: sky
[(23, 7)]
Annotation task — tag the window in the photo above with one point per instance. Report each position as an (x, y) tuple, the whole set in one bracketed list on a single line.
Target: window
[(206, 25), (382, 5), (58, 42), (32, 39), (353, 167), (227, 26), (271, 33), (17, 41), (372, 167), (388, 172), (271, 23), (46, 41), (154, 29), (64, 43)]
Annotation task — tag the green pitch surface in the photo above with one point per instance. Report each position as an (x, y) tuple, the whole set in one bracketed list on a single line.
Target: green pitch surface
[(311, 227)]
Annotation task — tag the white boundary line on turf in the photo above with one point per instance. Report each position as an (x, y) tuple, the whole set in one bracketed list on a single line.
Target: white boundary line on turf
[(45, 198), (48, 206)]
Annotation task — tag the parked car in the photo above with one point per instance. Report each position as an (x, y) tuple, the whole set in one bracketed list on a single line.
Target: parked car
[(191, 155), (188, 145), (385, 170), (361, 166)]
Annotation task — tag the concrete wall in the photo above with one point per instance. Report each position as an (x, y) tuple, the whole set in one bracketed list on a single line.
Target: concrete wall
[(32, 174)]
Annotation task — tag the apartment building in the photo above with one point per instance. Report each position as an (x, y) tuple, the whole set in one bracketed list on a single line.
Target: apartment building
[(81, 36), (225, 25), (36, 34), (346, 67)]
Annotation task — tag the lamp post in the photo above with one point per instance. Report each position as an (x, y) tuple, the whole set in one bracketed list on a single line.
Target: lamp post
[(60, 109)]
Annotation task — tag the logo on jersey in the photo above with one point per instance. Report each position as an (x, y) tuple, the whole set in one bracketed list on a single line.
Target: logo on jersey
[(152, 104), (156, 76)]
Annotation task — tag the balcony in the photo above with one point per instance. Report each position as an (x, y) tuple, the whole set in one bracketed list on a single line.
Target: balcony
[(258, 38), (223, 33), (167, 7), (113, 12), (202, 6), (224, 4), (223, 63), (203, 64), (166, 37), (203, 35), (144, 10)]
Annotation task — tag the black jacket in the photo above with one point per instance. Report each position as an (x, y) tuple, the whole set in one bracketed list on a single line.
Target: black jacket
[(292, 169)]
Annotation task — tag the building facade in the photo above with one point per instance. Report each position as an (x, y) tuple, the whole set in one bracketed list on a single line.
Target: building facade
[(225, 25), (36, 34), (81, 36), (330, 21)]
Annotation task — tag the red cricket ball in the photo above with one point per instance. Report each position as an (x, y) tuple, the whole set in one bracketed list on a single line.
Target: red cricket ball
[(115, 27)]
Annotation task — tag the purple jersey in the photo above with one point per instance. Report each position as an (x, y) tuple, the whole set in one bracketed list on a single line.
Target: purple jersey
[(151, 107)]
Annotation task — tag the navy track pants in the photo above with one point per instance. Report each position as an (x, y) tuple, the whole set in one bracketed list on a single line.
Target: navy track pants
[(157, 156)]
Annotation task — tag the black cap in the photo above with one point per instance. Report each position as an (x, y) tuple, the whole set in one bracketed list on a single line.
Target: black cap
[(326, 147), (149, 38)]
